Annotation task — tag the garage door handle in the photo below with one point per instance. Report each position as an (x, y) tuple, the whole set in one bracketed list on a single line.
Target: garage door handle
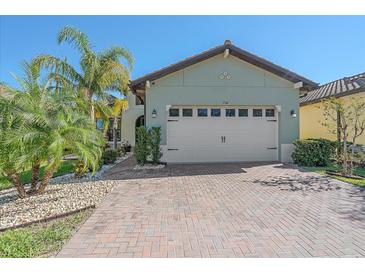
[(169, 149), (272, 148)]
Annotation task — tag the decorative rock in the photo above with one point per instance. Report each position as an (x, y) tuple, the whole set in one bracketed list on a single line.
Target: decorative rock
[(148, 166), (64, 194), (70, 178), (58, 199)]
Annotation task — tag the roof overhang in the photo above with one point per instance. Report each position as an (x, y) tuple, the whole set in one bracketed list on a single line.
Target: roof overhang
[(138, 86)]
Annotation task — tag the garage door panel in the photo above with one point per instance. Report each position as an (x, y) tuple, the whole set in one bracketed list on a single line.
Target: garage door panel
[(256, 153), (199, 139), (181, 155)]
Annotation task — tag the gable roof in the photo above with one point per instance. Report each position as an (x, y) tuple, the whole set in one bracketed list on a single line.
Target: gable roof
[(140, 82), (338, 88)]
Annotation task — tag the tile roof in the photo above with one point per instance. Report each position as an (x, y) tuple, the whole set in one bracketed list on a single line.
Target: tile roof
[(341, 87), (233, 50)]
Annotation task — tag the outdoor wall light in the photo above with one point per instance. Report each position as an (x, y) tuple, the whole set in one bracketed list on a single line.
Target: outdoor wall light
[(293, 114), (154, 113)]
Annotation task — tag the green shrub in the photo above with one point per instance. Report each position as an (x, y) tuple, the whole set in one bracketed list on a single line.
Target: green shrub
[(109, 156), (121, 151), (314, 152), (127, 147), (80, 169), (124, 148), (155, 144), (142, 147)]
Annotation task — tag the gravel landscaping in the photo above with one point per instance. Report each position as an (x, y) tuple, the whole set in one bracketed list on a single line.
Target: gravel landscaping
[(59, 199), (64, 195), (70, 178), (148, 166)]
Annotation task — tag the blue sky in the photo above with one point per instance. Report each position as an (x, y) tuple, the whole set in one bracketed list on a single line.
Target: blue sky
[(320, 48)]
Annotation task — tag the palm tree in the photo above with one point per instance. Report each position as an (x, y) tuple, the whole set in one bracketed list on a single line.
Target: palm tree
[(118, 106), (62, 126), (38, 123), (10, 121), (100, 72), (29, 98)]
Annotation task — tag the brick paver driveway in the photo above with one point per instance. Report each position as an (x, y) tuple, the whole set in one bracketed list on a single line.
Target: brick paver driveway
[(224, 210)]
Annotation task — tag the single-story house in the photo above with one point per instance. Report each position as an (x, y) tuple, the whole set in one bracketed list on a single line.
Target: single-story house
[(311, 110), (222, 105)]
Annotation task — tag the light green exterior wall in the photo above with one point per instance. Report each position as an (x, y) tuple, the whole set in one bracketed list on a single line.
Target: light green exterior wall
[(129, 117), (200, 84)]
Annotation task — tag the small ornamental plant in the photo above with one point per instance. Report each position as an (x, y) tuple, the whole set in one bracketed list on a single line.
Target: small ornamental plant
[(142, 148), (155, 144)]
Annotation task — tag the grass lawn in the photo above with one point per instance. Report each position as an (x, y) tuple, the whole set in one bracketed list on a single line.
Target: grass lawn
[(40, 240), (26, 176), (358, 171)]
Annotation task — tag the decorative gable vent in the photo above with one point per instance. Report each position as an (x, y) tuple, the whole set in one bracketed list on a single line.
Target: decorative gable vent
[(225, 76)]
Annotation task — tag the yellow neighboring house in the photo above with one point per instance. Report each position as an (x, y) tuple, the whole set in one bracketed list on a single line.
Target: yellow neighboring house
[(311, 111)]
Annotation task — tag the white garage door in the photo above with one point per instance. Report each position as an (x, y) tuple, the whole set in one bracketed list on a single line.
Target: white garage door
[(222, 134)]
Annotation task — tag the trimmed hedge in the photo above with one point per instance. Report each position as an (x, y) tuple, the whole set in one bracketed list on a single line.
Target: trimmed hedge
[(314, 152), (142, 148), (155, 143), (148, 145)]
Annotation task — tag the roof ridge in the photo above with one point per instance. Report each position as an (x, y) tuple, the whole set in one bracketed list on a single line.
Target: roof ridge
[(272, 63), (177, 62), (235, 51)]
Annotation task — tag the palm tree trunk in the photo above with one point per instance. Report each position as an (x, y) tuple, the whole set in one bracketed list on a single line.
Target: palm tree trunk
[(18, 185), (91, 102), (47, 176), (92, 111), (35, 176), (115, 127)]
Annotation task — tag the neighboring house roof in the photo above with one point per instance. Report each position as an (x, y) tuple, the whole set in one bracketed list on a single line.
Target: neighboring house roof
[(140, 82), (338, 88)]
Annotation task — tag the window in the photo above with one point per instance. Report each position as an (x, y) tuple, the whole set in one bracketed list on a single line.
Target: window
[(257, 112), (174, 112), (230, 112), (270, 112), (202, 112), (187, 112), (215, 112), (243, 112)]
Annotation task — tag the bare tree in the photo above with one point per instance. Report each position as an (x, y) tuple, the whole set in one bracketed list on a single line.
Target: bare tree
[(346, 118)]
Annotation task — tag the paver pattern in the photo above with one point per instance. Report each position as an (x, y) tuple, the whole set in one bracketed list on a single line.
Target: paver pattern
[(224, 210)]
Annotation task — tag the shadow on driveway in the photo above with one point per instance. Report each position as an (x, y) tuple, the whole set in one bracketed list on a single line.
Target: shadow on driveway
[(301, 183), (125, 171)]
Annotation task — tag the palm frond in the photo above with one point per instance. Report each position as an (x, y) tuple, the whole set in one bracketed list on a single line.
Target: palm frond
[(116, 53), (75, 38), (60, 67)]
